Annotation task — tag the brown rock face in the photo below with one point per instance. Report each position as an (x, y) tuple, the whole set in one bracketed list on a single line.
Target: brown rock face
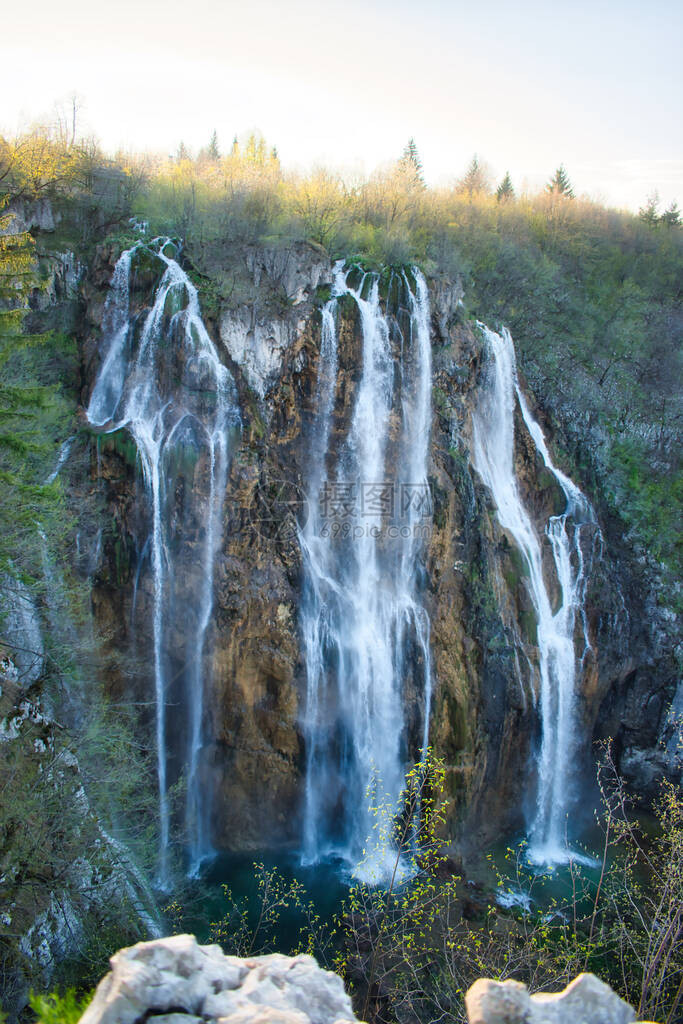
[(484, 722)]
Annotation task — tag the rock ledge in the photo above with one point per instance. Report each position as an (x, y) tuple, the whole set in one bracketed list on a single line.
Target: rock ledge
[(177, 981), (586, 1000)]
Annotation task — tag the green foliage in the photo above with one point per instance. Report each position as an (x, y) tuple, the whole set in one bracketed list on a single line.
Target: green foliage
[(235, 930), (591, 295), (386, 929), (651, 497), (213, 152), (651, 216), (60, 1009), (476, 180), (649, 213), (31, 409), (411, 950), (505, 190), (90, 192), (243, 931), (274, 915), (410, 946), (69, 800), (69, 781), (559, 184), (636, 926), (591, 298), (671, 216), (411, 163)]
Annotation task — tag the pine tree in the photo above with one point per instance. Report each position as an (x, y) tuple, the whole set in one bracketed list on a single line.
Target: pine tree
[(411, 164), (671, 216), (650, 212), (505, 190), (213, 151), (183, 153), (559, 184), (476, 179)]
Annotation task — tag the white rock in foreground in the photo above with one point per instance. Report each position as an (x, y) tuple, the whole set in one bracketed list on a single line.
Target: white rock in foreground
[(193, 984), (586, 1000)]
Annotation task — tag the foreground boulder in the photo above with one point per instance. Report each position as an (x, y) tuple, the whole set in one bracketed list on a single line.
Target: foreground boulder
[(586, 1000), (177, 981)]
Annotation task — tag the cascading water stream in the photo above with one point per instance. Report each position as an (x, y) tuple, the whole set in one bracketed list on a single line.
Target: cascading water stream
[(559, 667), (417, 416), (162, 380), (360, 614)]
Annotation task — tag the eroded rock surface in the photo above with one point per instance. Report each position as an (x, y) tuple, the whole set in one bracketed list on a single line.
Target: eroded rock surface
[(177, 981), (586, 1000)]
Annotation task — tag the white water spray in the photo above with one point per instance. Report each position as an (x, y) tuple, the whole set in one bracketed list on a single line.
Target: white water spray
[(364, 628), (162, 380), (559, 668)]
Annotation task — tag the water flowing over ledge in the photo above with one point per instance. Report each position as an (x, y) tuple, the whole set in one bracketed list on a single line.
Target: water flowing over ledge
[(364, 628), (559, 668), (162, 380)]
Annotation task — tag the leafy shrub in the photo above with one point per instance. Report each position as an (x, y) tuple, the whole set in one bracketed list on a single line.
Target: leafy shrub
[(60, 1009)]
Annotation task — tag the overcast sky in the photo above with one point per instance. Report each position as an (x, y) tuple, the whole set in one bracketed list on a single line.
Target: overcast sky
[(526, 85)]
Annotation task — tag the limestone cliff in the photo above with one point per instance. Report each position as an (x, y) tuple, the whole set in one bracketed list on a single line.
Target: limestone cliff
[(483, 721)]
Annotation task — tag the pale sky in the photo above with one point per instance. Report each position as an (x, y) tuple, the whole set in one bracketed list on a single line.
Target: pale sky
[(526, 85)]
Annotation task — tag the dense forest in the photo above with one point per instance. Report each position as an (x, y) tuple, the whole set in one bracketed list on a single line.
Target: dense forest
[(591, 296)]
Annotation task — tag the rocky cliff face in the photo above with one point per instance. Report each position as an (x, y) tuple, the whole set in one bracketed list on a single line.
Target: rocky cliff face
[(64, 876), (484, 722), (633, 614)]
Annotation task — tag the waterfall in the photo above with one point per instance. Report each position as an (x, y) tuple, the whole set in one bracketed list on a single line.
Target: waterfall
[(162, 379), (364, 629), (559, 668), (64, 452)]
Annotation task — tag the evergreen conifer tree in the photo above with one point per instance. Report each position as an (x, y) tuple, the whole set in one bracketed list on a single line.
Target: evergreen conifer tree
[(650, 212), (559, 184), (411, 164), (505, 189), (475, 180), (213, 151), (672, 215)]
